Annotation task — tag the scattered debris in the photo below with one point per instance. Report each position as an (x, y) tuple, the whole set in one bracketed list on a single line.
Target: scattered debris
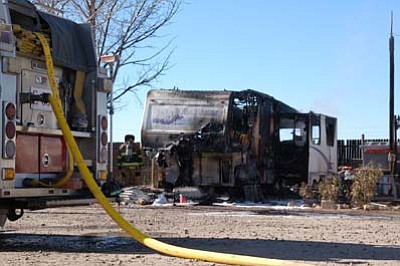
[(274, 204), (161, 200), (135, 196), (379, 205), (190, 193)]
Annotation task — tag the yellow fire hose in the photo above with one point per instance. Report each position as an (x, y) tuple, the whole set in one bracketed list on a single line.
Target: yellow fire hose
[(116, 216)]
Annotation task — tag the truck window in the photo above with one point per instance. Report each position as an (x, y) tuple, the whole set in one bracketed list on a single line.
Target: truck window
[(6, 37), (300, 134), (294, 134), (330, 131), (285, 134), (315, 131)]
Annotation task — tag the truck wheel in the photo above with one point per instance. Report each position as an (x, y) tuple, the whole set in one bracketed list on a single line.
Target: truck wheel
[(12, 215), (3, 217)]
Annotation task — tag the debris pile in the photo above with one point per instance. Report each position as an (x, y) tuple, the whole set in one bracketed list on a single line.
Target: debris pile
[(132, 195), (161, 200)]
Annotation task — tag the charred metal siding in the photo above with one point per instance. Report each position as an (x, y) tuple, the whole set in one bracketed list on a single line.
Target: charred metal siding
[(172, 113)]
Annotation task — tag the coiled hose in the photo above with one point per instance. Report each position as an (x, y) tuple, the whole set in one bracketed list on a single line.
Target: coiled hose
[(116, 216)]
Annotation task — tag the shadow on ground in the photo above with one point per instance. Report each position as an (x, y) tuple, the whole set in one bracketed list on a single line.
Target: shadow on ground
[(276, 249)]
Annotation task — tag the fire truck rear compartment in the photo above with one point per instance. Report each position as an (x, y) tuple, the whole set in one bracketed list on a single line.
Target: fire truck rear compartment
[(40, 151)]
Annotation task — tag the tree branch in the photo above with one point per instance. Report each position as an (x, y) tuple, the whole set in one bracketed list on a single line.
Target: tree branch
[(125, 28)]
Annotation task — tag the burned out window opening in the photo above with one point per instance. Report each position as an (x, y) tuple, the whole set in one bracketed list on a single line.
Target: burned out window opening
[(292, 131), (300, 134), (286, 134), (330, 131), (245, 110), (240, 115), (286, 130), (315, 130)]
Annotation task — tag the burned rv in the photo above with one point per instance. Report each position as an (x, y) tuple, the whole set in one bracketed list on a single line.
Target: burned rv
[(227, 140)]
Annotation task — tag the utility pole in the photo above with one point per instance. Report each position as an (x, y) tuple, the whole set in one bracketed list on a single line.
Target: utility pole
[(392, 158), (391, 88)]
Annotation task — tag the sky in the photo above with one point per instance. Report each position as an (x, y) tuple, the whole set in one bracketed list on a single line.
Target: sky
[(329, 57)]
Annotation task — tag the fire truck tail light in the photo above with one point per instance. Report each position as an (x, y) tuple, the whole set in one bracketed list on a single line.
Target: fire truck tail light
[(102, 141), (10, 111), (10, 149), (103, 155), (104, 123), (104, 138), (10, 130), (8, 174)]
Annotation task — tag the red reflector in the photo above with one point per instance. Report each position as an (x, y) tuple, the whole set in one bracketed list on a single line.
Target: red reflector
[(104, 138), (10, 111), (10, 130), (104, 123)]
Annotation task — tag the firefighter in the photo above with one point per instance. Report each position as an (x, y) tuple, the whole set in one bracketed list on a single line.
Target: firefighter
[(129, 160), (126, 148)]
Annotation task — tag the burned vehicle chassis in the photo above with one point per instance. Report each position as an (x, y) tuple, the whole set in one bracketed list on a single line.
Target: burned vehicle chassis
[(234, 141)]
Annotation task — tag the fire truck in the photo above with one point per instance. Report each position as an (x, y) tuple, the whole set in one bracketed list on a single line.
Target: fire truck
[(37, 170)]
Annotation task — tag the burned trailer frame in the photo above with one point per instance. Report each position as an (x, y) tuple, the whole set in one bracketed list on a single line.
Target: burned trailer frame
[(222, 140)]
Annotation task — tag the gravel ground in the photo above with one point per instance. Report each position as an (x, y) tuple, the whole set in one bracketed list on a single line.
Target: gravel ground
[(87, 236)]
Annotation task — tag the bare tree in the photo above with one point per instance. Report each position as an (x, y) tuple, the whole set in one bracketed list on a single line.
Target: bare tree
[(125, 28)]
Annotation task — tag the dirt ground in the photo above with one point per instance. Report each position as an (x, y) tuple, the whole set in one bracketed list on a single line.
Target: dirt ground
[(87, 236)]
